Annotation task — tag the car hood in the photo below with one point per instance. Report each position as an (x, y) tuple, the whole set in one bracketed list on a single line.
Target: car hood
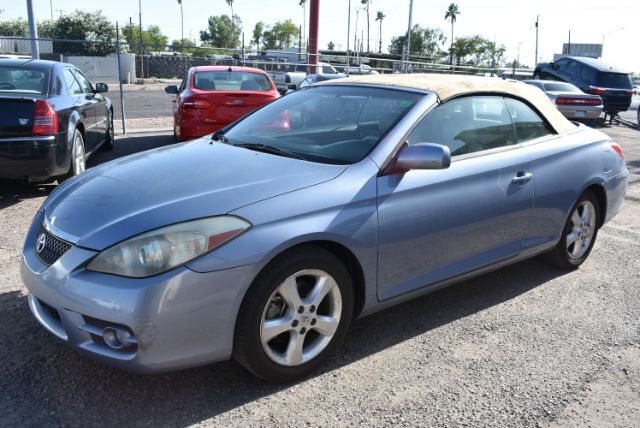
[(142, 192)]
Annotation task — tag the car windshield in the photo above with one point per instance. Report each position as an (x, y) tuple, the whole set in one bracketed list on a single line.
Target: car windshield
[(560, 87), (614, 80), (328, 124), (24, 81), (231, 81)]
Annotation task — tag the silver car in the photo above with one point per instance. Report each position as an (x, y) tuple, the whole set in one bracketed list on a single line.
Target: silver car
[(571, 101), (263, 241)]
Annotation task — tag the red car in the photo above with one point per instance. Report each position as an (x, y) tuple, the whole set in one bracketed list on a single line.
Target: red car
[(211, 97)]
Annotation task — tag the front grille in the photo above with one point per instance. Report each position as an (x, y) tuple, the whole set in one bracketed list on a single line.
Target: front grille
[(54, 247)]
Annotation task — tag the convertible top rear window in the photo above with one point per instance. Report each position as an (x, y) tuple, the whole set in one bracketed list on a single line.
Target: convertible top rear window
[(23, 81)]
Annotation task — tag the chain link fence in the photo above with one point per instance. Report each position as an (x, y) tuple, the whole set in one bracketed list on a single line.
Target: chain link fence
[(137, 79)]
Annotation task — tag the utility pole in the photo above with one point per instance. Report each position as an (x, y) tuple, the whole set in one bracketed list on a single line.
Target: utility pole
[(348, 34), (140, 38), (181, 25), (537, 29), (51, 8), (35, 50), (569, 45), (409, 32)]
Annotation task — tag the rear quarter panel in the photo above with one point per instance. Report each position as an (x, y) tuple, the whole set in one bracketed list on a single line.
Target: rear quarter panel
[(564, 167)]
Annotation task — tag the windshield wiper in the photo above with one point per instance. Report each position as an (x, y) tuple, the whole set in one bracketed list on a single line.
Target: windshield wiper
[(271, 149)]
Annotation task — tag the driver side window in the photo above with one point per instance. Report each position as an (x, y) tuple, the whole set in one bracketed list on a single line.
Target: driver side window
[(467, 125)]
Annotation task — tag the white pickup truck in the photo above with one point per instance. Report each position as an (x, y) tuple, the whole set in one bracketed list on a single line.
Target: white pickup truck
[(286, 79)]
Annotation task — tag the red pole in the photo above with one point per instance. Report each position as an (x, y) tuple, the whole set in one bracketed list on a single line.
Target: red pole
[(314, 19)]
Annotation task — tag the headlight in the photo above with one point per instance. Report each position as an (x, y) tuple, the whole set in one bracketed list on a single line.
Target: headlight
[(168, 247)]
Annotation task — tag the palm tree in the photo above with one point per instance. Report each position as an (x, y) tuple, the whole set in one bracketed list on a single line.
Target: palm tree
[(452, 14), (379, 17), (367, 2), (233, 24)]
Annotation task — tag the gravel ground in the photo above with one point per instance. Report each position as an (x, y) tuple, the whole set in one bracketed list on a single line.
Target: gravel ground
[(524, 346)]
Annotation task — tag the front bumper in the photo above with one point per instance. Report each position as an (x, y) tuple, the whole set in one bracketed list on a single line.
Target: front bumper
[(172, 321), (32, 157)]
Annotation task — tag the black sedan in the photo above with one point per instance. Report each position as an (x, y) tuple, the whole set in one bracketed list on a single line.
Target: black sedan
[(51, 120)]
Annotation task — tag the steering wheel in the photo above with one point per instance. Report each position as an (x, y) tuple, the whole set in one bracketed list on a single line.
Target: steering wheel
[(8, 85)]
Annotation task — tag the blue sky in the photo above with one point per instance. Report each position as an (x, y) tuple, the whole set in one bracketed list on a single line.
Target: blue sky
[(507, 22)]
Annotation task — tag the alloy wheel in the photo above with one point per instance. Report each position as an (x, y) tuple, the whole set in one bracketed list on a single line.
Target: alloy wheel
[(583, 226), (301, 317), (79, 161)]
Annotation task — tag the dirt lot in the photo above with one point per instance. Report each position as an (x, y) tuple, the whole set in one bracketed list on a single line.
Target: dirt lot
[(524, 346)]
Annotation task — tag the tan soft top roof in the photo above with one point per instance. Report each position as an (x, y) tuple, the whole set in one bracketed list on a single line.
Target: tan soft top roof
[(448, 86)]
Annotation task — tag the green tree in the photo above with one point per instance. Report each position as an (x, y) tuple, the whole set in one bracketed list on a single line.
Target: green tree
[(476, 50), (281, 35), (425, 41), (331, 46), (14, 28), (152, 38), (452, 14), (257, 34), (186, 46), (222, 32), (379, 17)]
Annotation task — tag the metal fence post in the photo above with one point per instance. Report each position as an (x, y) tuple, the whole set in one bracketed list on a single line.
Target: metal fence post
[(124, 129)]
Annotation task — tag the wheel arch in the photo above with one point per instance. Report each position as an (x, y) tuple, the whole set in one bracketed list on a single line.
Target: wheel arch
[(344, 254), (601, 196)]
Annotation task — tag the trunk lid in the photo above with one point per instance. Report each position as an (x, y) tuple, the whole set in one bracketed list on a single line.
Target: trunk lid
[(16, 116), (227, 107)]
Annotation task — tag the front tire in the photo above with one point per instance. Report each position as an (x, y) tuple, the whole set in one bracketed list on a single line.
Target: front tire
[(78, 157), (579, 234), (296, 313)]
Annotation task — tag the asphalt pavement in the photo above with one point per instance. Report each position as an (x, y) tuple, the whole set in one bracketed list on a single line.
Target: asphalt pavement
[(527, 345)]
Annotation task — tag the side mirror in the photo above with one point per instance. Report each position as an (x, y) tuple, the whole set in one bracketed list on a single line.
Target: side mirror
[(292, 87), (554, 66), (283, 91), (171, 89), (422, 156), (101, 87)]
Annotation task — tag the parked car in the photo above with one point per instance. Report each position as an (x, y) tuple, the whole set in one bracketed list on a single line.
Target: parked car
[(571, 101), (264, 240), (211, 97), (51, 120), (288, 79), (356, 70), (592, 76), (315, 78)]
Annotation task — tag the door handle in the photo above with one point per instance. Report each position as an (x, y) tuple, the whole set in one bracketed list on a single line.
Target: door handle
[(522, 177)]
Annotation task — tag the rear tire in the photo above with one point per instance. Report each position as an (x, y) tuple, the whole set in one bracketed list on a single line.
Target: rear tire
[(579, 234), (78, 158), (294, 316), (110, 135)]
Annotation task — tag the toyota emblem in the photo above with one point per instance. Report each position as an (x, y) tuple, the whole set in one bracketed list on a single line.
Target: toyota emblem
[(41, 242)]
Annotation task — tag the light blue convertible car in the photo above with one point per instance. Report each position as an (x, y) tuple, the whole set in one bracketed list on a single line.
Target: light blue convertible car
[(265, 240)]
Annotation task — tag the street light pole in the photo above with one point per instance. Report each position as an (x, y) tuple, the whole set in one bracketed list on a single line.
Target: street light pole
[(348, 33), (409, 32), (181, 25), (35, 50), (537, 29)]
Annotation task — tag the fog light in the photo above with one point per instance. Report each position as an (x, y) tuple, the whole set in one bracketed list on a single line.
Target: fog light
[(116, 338)]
